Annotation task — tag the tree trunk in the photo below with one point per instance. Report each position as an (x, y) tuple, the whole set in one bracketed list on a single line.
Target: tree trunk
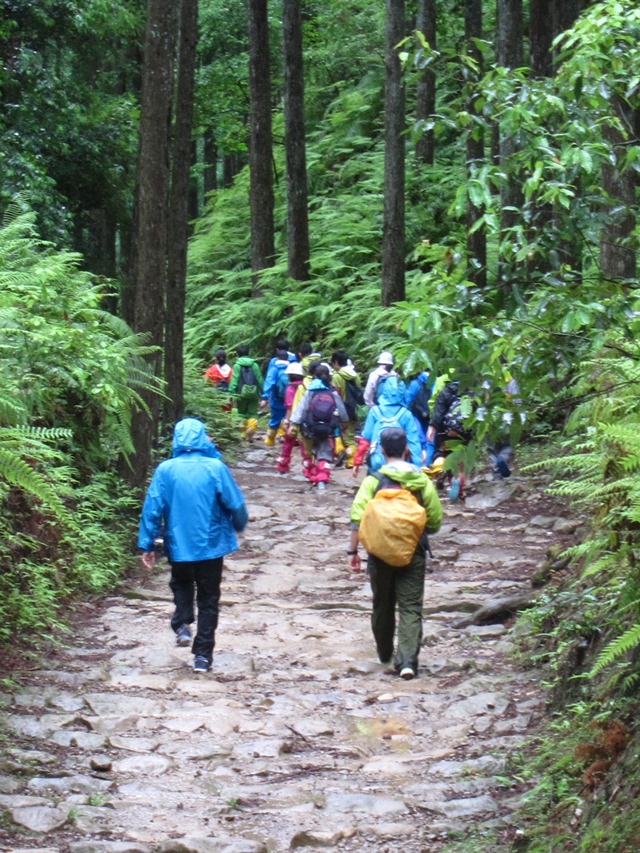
[(476, 241), (194, 185), (426, 87), (617, 260), (179, 215), (210, 162), (541, 35), (149, 273), (297, 211), (393, 255), (509, 54), (260, 170)]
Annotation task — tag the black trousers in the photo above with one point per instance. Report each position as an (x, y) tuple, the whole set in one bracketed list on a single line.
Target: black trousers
[(199, 580)]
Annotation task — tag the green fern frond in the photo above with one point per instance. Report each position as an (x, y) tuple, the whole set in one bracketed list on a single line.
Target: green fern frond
[(615, 650), (19, 473)]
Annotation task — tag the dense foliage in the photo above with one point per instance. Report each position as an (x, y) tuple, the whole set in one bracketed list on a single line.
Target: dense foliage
[(69, 373)]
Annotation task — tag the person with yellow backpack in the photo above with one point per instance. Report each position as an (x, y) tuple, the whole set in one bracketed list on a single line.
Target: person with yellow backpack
[(393, 510)]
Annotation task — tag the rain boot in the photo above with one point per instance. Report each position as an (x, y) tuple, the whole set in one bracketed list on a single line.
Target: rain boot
[(339, 451), (350, 452), (270, 438), (252, 428)]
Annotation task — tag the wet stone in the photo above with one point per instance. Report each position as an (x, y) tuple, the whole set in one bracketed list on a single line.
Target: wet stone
[(39, 818)]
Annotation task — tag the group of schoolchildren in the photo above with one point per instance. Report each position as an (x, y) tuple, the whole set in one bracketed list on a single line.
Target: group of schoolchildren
[(320, 407)]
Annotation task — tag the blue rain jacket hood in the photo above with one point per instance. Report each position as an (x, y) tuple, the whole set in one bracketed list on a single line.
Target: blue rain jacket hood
[(391, 412), (189, 435), (195, 498), (391, 393)]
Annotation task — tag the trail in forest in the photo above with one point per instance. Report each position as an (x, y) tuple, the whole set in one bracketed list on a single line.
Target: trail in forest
[(298, 737)]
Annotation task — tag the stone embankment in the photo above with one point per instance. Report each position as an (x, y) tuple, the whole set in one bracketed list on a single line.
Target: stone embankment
[(298, 737)]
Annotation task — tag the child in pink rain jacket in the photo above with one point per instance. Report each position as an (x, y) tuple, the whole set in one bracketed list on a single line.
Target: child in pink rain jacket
[(295, 373)]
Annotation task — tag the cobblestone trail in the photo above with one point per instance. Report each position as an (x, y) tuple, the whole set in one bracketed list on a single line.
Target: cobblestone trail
[(298, 737)]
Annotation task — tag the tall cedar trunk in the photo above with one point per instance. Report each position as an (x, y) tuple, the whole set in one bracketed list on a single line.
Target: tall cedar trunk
[(393, 289), (541, 35), (210, 162), (260, 170), (179, 214), (476, 241), (297, 212), (563, 16), (426, 88), (149, 272), (509, 54), (194, 186), (618, 261)]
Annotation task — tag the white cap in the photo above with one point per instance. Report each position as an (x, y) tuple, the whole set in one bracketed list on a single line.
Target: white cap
[(385, 358), (294, 369)]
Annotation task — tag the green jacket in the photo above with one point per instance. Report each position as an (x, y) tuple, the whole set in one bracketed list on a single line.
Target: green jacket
[(247, 406), (411, 478)]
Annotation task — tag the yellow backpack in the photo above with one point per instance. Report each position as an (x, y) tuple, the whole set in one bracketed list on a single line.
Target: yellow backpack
[(392, 524)]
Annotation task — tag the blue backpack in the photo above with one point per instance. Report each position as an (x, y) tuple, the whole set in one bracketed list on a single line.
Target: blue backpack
[(376, 459), (280, 385)]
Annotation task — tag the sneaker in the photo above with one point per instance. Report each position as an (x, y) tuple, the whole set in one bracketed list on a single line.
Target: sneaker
[(322, 487), (407, 673), (201, 664), (183, 635)]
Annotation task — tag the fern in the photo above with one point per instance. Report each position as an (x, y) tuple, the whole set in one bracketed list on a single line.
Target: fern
[(621, 646)]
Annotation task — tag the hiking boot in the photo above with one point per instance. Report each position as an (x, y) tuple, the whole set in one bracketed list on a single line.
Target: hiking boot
[(201, 664), (183, 635), (340, 459), (407, 673)]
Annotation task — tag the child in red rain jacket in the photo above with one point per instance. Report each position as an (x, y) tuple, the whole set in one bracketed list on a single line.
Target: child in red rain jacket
[(220, 372)]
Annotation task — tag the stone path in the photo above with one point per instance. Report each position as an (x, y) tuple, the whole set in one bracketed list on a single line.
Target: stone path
[(298, 737)]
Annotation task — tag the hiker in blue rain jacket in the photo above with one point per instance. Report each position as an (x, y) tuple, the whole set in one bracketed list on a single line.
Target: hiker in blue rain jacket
[(273, 391), (416, 399), (194, 498), (390, 412)]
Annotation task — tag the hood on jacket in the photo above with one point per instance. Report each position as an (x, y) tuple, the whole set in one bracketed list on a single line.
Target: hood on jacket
[(245, 361), (317, 385), (408, 475), (348, 372), (189, 436), (391, 392)]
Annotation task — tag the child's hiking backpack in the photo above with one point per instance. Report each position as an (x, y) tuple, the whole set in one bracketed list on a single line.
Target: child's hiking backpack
[(375, 458), (353, 397), (280, 385), (247, 383), (321, 418), (453, 418), (392, 524), (420, 404)]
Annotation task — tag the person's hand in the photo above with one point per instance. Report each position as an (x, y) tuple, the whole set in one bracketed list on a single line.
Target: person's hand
[(431, 433), (355, 470), (263, 405), (355, 564), (149, 559)]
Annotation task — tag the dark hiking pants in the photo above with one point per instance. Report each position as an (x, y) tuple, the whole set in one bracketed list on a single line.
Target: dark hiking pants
[(200, 579), (402, 588)]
